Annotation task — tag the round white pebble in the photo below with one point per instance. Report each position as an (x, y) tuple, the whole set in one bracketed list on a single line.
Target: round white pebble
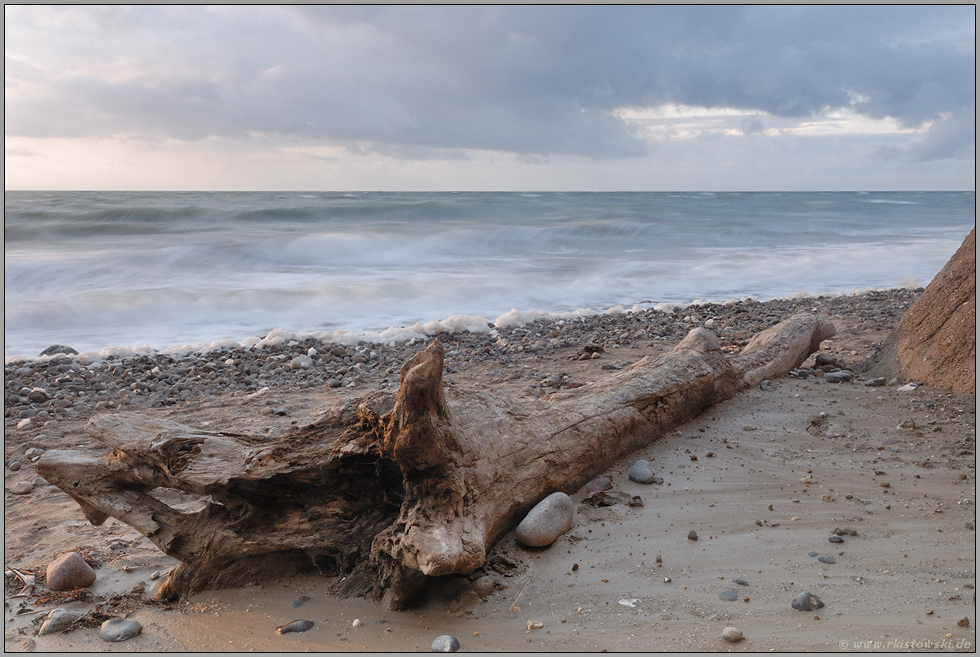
[(732, 634)]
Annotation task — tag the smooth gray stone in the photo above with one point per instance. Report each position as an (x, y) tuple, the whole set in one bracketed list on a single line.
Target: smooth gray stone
[(740, 582), (812, 553), (837, 377), (21, 487), (445, 643), (641, 472), (59, 620), (806, 601), (295, 626), (549, 519), (115, 630), (830, 560), (298, 602), (731, 595), (875, 383), (835, 539)]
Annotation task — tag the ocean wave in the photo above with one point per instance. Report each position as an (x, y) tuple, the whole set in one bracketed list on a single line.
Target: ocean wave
[(226, 264)]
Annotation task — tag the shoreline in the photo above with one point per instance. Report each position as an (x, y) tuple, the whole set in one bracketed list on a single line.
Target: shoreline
[(909, 573), (396, 335), (74, 387)]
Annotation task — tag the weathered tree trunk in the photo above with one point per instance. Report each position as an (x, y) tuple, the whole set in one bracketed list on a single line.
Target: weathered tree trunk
[(391, 489)]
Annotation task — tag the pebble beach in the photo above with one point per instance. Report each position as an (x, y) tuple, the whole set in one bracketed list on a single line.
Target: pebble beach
[(532, 356), (760, 482)]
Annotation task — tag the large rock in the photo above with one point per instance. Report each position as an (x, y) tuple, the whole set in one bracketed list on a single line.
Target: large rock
[(549, 519), (936, 339), (69, 571), (58, 349)]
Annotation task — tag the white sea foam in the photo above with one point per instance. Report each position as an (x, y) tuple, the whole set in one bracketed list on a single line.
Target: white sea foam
[(402, 334)]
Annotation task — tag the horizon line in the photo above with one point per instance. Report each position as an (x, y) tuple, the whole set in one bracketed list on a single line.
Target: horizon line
[(511, 191)]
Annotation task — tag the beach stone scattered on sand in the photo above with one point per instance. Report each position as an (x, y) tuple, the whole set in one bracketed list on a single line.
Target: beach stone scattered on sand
[(68, 572), (483, 586), (14, 465), (740, 582), (837, 377), (732, 634), (641, 472), (824, 360), (731, 595), (298, 602), (59, 620), (806, 601), (445, 643), (598, 485), (835, 539), (21, 487), (115, 630), (295, 626), (829, 560), (812, 553), (692, 535), (549, 519)]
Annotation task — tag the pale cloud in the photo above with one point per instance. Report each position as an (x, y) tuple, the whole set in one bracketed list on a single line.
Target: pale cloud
[(459, 93), (682, 122)]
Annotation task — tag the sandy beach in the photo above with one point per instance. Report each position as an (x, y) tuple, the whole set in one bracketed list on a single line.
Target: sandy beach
[(764, 480)]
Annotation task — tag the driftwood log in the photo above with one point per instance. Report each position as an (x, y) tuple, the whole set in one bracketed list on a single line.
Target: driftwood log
[(390, 489)]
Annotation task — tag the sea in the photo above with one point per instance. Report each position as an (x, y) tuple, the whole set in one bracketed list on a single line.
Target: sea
[(125, 272)]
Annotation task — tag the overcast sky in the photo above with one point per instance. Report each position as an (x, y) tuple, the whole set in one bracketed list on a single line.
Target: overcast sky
[(490, 98)]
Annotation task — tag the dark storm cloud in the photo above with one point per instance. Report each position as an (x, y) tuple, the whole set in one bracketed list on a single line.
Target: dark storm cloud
[(519, 79)]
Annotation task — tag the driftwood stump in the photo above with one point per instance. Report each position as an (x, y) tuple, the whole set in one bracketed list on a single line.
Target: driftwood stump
[(390, 489)]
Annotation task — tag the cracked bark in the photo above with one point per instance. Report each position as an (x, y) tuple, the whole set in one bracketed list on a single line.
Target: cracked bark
[(392, 489)]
